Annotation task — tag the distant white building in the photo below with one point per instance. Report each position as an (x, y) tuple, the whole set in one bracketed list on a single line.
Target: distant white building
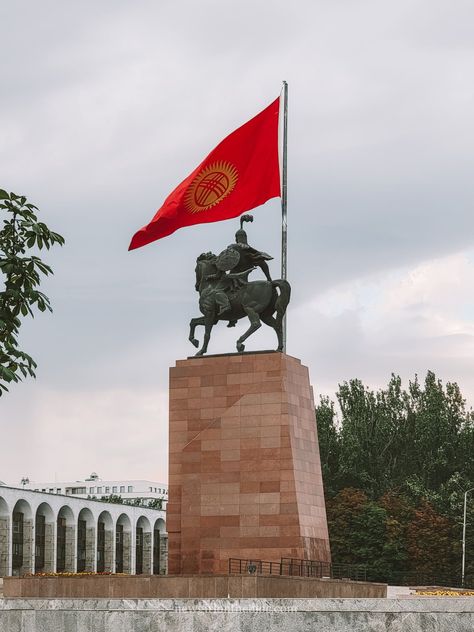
[(54, 532), (94, 486)]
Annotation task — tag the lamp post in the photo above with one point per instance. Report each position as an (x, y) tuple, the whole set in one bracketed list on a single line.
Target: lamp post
[(464, 536)]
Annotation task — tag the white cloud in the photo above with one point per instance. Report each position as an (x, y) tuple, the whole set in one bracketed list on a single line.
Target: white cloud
[(107, 105), (409, 321), (69, 434)]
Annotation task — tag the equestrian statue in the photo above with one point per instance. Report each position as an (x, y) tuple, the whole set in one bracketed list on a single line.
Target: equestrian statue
[(225, 293)]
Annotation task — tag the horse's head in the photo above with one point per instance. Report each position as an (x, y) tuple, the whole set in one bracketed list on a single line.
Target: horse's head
[(205, 264)]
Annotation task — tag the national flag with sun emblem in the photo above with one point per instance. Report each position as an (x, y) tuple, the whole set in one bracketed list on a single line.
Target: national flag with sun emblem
[(242, 172)]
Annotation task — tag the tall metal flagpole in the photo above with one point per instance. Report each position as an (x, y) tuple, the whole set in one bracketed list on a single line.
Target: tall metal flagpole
[(284, 225)]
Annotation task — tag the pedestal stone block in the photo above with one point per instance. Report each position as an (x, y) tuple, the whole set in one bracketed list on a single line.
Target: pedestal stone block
[(244, 474)]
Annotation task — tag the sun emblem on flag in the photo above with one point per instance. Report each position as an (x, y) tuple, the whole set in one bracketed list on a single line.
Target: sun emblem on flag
[(210, 186)]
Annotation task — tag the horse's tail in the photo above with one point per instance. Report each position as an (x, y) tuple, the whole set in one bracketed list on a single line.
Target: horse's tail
[(283, 298)]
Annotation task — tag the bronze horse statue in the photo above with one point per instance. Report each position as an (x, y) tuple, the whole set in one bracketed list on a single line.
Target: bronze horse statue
[(258, 300)]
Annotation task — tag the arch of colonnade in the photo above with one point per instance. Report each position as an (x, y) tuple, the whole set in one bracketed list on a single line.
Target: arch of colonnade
[(42, 533)]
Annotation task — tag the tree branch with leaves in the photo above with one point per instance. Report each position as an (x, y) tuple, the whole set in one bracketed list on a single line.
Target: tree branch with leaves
[(22, 272)]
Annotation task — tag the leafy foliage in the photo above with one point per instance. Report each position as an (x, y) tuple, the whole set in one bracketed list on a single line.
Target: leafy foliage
[(396, 463), (150, 503), (22, 273)]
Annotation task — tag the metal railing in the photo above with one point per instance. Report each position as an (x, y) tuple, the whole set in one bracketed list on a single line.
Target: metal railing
[(291, 567), (253, 567), (316, 568)]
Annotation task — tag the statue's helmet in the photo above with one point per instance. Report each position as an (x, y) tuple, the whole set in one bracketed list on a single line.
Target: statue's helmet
[(241, 237)]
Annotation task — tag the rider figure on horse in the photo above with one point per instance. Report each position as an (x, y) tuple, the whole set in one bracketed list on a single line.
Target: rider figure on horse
[(240, 260), (250, 258), (224, 283)]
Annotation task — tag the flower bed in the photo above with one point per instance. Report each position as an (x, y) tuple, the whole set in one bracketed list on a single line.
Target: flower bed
[(445, 593)]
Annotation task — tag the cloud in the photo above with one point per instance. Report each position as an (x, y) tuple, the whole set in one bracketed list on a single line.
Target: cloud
[(108, 105), (414, 319), (70, 433)]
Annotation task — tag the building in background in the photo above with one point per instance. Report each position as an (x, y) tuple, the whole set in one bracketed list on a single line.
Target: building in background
[(148, 492), (45, 532)]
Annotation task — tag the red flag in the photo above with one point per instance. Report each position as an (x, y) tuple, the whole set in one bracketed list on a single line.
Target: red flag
[(241, 173)]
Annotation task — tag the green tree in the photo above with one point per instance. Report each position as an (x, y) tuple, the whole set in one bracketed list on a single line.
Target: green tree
[(328, 437), (112, 498), (369, 441), (415, 439), (21, 231), (155, 503), (396, 463)]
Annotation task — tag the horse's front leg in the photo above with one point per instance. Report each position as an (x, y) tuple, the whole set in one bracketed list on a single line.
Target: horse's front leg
[(254, 325), (208, 324), (192, 328)]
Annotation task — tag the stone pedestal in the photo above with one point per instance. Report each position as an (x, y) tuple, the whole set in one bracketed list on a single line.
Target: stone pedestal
[(244, 475)]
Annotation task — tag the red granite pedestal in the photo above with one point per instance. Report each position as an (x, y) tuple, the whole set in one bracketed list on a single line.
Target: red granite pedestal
[(244, 474)]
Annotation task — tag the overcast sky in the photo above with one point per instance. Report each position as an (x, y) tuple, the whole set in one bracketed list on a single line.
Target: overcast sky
[(106, 106)]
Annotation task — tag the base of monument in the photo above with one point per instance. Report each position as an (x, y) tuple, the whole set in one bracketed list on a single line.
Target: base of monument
[(187, 586), (244, 468), (233, 353)]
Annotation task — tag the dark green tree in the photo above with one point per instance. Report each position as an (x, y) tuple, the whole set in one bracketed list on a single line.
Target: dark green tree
[(410, 454), (328, 437), (21, 231), (369, 435)]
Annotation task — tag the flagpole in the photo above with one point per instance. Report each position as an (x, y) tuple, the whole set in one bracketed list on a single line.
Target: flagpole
[(284, 206)]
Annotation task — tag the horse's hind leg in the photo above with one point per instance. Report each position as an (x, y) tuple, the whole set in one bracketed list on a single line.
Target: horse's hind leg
[(192, 328), (254, 325), (276, 324)]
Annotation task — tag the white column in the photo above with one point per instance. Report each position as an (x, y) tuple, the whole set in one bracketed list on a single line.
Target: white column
[(114, 535), (127, 552), (109, 550), (50, 547), (163, 553), (5, 538), (133, 549), (71, 548), (91, 549), (28, 546), (10, 545), (147, 553)]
